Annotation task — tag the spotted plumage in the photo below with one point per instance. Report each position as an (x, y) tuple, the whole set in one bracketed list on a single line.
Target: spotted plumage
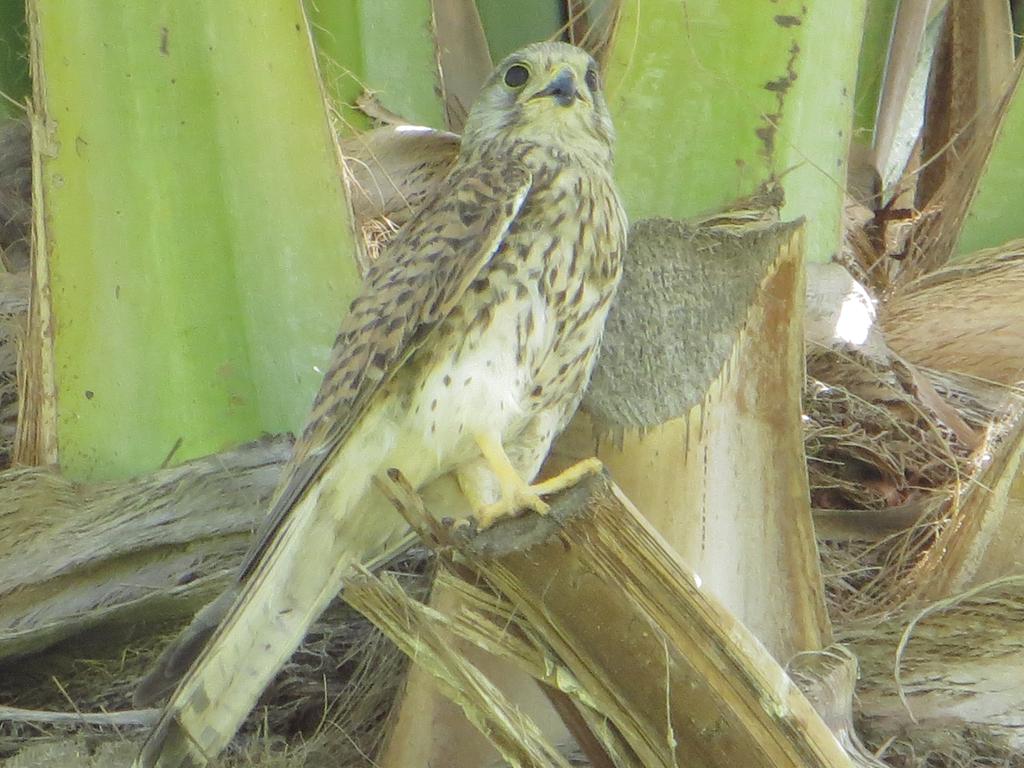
[(463, 357)]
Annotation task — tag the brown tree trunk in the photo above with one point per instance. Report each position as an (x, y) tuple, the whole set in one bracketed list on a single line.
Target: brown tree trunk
[(695, 410)]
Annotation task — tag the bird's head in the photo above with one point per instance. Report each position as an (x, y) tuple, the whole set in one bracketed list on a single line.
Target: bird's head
[(547, 94)]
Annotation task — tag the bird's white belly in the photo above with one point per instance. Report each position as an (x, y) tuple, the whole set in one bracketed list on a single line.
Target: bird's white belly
[(479, 386)]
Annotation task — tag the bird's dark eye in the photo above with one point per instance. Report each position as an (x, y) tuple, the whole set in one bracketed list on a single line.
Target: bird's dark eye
[(516, 76), (592, 80)]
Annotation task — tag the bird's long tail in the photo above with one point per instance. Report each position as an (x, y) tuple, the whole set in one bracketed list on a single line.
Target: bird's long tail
[(323, 538)]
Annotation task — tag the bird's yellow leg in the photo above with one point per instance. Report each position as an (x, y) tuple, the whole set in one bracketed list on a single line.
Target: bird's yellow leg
[(516, 494)]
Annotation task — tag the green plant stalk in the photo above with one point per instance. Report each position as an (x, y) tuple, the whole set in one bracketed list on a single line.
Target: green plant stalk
[(15, 85), (993, 217), (198, 243), (817, 122), (711, 99), (407, 83), (384, 48), (510, 26), (874, 53), (339, 50)]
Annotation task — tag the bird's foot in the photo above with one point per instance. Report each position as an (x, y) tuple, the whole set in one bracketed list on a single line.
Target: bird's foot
[(522, 497)]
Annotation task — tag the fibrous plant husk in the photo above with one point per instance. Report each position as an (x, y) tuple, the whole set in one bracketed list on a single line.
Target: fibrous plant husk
[(879, 461), (14, 289), (15, 224), (960, 318), (15, 195)]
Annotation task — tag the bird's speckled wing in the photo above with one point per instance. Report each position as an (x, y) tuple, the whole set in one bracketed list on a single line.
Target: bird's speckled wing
[(412, 287)]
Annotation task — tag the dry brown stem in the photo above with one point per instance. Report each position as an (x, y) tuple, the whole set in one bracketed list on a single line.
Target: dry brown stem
[(678, 678)]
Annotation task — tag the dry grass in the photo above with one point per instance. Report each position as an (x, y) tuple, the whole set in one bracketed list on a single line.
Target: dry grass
[(875, 452), (872, 446)]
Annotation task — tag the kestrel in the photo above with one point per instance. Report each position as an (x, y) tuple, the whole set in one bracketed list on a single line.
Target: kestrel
[(466, 353)]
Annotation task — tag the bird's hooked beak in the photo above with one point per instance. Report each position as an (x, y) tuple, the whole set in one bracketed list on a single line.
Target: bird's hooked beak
[(562, 88)]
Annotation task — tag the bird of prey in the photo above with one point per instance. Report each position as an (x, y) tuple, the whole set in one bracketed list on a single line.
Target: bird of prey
[(465, 354)]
